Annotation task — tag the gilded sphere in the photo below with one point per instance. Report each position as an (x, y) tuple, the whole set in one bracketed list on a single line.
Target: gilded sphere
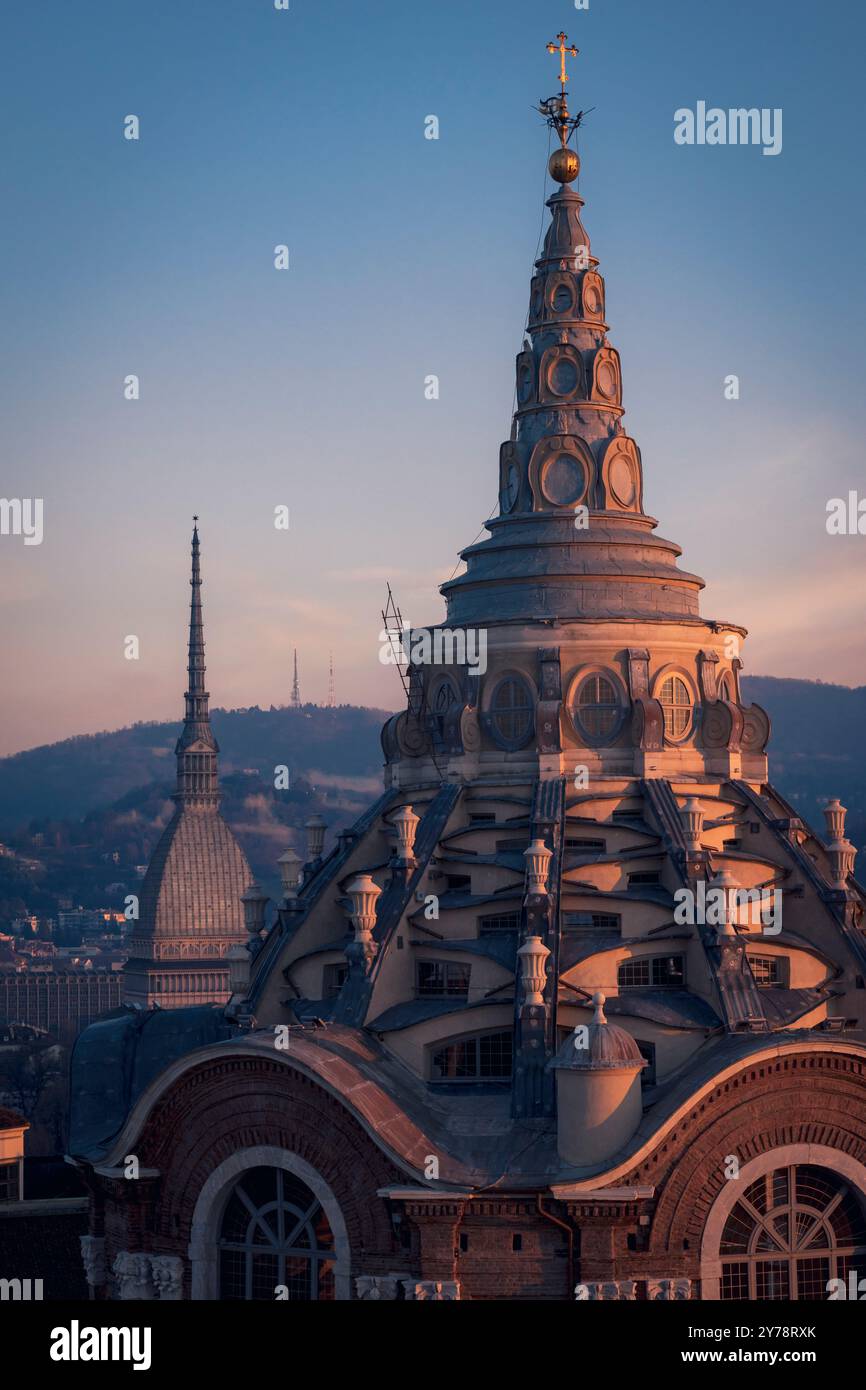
[(564, 165)]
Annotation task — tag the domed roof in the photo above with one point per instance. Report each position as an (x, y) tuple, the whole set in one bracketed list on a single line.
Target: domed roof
[(598, 1046), (195, 880)]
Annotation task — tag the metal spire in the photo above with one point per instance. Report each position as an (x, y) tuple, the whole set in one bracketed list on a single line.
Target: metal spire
[(196, 749)]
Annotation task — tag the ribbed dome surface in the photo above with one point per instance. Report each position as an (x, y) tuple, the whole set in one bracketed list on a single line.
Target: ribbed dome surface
[(598, 1046)]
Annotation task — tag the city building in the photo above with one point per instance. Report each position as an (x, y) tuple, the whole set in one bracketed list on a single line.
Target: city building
[(576, 1009), (56, 999)]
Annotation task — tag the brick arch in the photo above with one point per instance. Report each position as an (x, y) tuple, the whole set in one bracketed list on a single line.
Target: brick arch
[(220, 1109), (803, 1099), (851, 1169), (210, 1206)]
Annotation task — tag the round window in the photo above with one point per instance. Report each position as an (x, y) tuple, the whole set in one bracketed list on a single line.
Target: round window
[(563, 299), (563, 376), (676, 701), (511, 712), (563, 479), (597, 708)]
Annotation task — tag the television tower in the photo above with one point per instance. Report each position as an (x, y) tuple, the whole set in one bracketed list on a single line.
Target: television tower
[(296, 689), (331, 700)]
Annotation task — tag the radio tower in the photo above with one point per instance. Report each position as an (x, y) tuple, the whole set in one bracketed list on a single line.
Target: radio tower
[(296, 689), (331, 700)]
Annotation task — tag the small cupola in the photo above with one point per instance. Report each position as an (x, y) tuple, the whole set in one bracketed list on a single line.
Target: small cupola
[(598, 1096)]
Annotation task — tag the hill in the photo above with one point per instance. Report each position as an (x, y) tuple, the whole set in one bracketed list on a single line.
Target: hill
[(81, 817)]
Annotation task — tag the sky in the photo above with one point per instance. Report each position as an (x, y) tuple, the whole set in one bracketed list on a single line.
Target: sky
[(408, 257)]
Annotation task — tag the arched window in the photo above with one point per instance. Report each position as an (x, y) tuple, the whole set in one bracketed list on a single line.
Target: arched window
[(274, 1233), (791, 1231), (597, 709), (511, 712), (676, 701)]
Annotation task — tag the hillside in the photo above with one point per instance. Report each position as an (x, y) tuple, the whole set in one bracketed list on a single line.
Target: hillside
[(81, 774), (82, 816)]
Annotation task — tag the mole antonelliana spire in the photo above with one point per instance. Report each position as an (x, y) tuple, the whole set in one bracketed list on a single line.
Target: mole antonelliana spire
[(190, 912), (196, 749)]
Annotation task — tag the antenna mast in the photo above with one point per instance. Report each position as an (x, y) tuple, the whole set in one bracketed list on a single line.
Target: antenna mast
[(296, 689)]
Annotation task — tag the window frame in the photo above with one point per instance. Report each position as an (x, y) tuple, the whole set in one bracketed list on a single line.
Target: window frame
[(577, 685), (651, 981), (446, 966), (512, 744), (477, 1078), (676, 673)]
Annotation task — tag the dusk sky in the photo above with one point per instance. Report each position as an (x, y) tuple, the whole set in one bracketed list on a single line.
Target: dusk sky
[(408, 257)]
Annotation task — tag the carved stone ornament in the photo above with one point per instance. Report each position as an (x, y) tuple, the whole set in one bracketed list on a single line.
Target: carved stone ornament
[(756, 729), (432, 1290), (606, 378), (613, 1290), (167, 1273), (93, 1258), (668, 1290), (592, 295), (470, 729), (621, 474), (132, 1276), (376, 1288), (648, 725)]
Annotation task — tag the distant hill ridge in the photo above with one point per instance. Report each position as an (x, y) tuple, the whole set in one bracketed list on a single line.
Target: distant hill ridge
[(90, 771), (816, 751)]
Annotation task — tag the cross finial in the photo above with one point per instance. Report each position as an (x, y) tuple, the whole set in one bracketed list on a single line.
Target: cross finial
[(562, 49)]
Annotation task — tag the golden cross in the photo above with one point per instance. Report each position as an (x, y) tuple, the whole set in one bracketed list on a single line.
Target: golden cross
[(561, 49)]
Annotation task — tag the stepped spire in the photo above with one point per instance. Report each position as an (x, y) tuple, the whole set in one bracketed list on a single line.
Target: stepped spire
[(572, 539), (196, 749)]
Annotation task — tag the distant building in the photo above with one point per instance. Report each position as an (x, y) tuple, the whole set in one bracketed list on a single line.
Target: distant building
[(58, 1001), (43, 1222), (190, 913)]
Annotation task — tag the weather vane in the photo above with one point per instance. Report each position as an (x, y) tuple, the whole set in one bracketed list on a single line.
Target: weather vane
[(564, 163)]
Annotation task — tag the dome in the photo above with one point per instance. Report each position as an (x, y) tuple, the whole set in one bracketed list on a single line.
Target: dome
[(598, 1046)]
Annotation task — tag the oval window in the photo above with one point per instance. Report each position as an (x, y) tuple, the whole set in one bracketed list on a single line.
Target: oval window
[(676, 701), (597, 707), (563, 377), (511, 712)]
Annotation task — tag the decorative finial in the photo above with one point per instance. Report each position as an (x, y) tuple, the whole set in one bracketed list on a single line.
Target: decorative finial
[(598, 1000), (564, 163)]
